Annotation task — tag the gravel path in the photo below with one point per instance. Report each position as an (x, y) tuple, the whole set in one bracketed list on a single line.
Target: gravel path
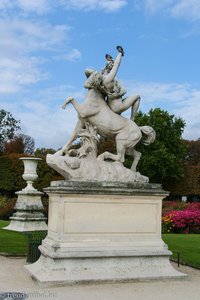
[(14, 278)]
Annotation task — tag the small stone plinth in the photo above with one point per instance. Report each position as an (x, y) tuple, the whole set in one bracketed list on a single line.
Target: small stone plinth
[(28, 215), (100, 231)]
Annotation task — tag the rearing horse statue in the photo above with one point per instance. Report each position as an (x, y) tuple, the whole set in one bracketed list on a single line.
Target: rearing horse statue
[(96, 112), (102, 108)]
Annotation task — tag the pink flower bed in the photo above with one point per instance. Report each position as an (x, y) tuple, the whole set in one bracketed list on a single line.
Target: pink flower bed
[(187, 220)]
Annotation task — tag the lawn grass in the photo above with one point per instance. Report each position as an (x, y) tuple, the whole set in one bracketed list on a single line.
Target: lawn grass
[(188, 245), (12, 242)]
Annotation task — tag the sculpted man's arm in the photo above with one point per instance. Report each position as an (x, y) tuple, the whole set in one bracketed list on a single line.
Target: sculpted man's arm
[(111, 76)]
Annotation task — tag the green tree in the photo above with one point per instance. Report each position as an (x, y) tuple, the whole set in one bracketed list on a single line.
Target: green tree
[(44, 151), (28, 142), (190, 183), (193, 152), (8, 127), (162, 161)]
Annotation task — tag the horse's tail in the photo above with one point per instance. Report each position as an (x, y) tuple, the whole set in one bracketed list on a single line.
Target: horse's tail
[(150, 133)]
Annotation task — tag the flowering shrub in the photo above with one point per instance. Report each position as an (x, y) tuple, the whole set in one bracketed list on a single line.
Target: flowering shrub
[(184, 221), (167, 224), (193, 206), (168, 206)]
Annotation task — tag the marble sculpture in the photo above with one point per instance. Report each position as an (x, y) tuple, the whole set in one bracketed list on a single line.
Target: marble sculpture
[(99, 116)]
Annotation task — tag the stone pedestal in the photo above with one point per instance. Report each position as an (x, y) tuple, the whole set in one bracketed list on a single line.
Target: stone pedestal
[(103, 232), (28, 216)]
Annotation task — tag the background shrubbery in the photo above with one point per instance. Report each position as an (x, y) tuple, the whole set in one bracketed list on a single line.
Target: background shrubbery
[(168, 206), (6, 207)]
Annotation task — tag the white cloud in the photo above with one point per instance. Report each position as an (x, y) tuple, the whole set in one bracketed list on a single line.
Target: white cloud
[(50, 128), (30, 36), (27, 6), (154, 6), (18, 73), (182, 100), (41, 7), (106, 5), (187, 9), (43, 118), (112, 6), (21, 40), (5, 4), (37, 6), (156, 91), (73, 55)]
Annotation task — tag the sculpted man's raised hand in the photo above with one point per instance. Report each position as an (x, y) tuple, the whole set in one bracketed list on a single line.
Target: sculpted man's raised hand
[(111, 87)]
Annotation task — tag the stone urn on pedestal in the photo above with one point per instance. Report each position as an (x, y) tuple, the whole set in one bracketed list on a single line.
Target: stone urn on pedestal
[(30, 171), (28, 215)]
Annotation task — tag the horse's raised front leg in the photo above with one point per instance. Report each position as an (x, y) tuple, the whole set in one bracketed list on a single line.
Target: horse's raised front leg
[(78, 107), (67, 101), (83, 110)]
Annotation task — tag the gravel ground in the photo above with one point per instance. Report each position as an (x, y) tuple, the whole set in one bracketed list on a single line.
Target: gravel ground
[(14, 278)]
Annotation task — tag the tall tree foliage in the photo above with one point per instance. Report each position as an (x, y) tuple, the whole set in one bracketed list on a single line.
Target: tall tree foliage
[(21, 143), (190, 183), (8, 127), (44, 151), (162, 161), (193, 152), (14, 146), (28, 142)]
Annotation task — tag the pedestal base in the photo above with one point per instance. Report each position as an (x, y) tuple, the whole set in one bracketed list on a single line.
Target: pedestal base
[(103, 232), (54, 272), (28, 216)]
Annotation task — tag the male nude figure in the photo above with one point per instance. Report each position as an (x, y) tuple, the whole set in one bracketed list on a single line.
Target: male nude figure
[(113, 89)]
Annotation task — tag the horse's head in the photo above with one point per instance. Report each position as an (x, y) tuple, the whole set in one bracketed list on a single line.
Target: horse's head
[(94, 81), (88, 72)]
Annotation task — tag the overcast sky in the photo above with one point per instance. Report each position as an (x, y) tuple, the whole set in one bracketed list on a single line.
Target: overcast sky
[(46, 45)]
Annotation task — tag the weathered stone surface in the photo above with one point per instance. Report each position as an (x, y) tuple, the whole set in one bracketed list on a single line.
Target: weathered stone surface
[(105, 188), (103, 231), (28, 215), (92, 169)]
